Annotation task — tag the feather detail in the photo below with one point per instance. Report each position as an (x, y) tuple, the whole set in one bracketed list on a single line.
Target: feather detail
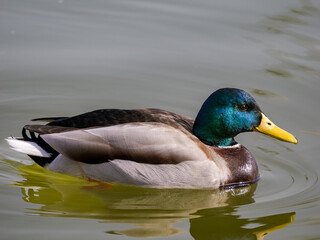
[(111, 117), (47, 119), (27, 147), (187, 174), (153, 143), (46, 129)]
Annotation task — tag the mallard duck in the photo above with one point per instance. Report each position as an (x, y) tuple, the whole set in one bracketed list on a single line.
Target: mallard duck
[(152, 147)]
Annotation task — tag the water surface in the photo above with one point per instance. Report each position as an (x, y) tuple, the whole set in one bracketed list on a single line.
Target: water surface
[(65, 57)]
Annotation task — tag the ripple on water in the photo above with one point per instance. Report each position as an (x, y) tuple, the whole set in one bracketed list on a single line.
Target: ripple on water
[(285, 181)]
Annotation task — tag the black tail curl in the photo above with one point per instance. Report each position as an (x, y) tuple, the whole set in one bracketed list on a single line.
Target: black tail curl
[(42, 161)]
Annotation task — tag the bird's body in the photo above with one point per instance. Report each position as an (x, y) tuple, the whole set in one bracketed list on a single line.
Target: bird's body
[(151, 147)]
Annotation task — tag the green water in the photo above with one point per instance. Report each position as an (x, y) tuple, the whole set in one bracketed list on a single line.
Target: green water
[(65, 57)]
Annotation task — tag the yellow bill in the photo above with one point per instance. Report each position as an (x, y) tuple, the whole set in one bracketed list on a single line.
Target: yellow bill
[(269, 128)]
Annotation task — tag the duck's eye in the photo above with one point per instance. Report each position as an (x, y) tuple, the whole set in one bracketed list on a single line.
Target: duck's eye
[(243, 107)]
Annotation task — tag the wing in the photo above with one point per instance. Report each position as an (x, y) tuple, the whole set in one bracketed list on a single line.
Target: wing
[(98, 119), (110, 117), (48, 119), (153, 143)]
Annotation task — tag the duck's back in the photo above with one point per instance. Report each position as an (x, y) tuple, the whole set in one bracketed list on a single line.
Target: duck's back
[(110, 117)]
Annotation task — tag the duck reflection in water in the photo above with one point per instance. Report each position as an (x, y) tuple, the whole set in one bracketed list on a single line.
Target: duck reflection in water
[(227, 224), (214, 214)]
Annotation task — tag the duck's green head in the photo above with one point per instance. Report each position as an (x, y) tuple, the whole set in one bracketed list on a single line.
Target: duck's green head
[(230, 111)]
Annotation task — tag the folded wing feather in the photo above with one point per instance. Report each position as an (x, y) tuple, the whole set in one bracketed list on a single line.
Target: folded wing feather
[(153, 143)]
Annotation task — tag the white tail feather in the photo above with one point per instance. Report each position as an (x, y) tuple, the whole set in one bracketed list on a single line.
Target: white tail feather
[(27, 147)]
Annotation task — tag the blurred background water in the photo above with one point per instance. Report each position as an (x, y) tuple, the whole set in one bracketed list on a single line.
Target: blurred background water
[(65, 57)]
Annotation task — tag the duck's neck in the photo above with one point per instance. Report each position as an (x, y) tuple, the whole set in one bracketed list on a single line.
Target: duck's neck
[(212, 141), (209, 135), (211, 130)]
